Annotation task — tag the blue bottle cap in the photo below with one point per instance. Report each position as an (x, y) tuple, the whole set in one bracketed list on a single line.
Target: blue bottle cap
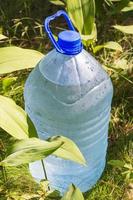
[(70, 42)]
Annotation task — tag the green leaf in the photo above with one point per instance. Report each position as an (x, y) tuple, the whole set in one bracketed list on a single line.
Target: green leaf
[(115, 0), (68, 150), (14, 120), (2, 37), (128, 8), (30, 150), (33, 149), (124, 29), (15, 58), (82, 14), (121, 64), (88, 39), (108, 2), (128, 166), (109, 45), (57, 2), (52, 195), (116, 163), (73, 193), (128, 175), (7, 82)]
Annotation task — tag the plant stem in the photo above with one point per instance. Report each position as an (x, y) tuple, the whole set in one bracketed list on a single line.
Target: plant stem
[(45, 173), (3, 171), (2, 156), (4, 174)]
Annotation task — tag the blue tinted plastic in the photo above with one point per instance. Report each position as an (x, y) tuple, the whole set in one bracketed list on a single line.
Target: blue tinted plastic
[(69, 42), (71, 96)]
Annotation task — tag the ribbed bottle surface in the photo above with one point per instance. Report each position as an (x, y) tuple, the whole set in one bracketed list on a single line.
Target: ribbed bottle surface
[(70, 96)]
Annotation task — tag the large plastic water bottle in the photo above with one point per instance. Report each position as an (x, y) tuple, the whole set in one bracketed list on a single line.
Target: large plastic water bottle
[(69, 93)]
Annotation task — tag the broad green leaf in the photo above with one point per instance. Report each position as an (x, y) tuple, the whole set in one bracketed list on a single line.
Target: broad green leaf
[(73, 193), (87, 39), (57, 2), (15, 58), (30, 150), (109, 45), (129, 7), (33, 149), (2, 37), (116, 163), (14, 120), (124, 29), (82, 14), (68, 150), (91, 36)]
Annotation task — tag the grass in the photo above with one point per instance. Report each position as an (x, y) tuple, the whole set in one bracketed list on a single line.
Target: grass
[(113, 185)]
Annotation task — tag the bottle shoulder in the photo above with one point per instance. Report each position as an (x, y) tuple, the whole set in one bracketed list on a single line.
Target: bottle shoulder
[(72, 70), (73, 84)]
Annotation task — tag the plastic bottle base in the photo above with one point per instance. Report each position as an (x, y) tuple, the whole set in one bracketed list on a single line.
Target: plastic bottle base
[(84, 185)]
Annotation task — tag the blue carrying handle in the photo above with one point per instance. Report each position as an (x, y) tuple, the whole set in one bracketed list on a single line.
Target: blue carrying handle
[(48, 30)]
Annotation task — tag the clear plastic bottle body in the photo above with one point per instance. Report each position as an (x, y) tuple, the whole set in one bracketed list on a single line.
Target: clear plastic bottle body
[(70, 96)]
